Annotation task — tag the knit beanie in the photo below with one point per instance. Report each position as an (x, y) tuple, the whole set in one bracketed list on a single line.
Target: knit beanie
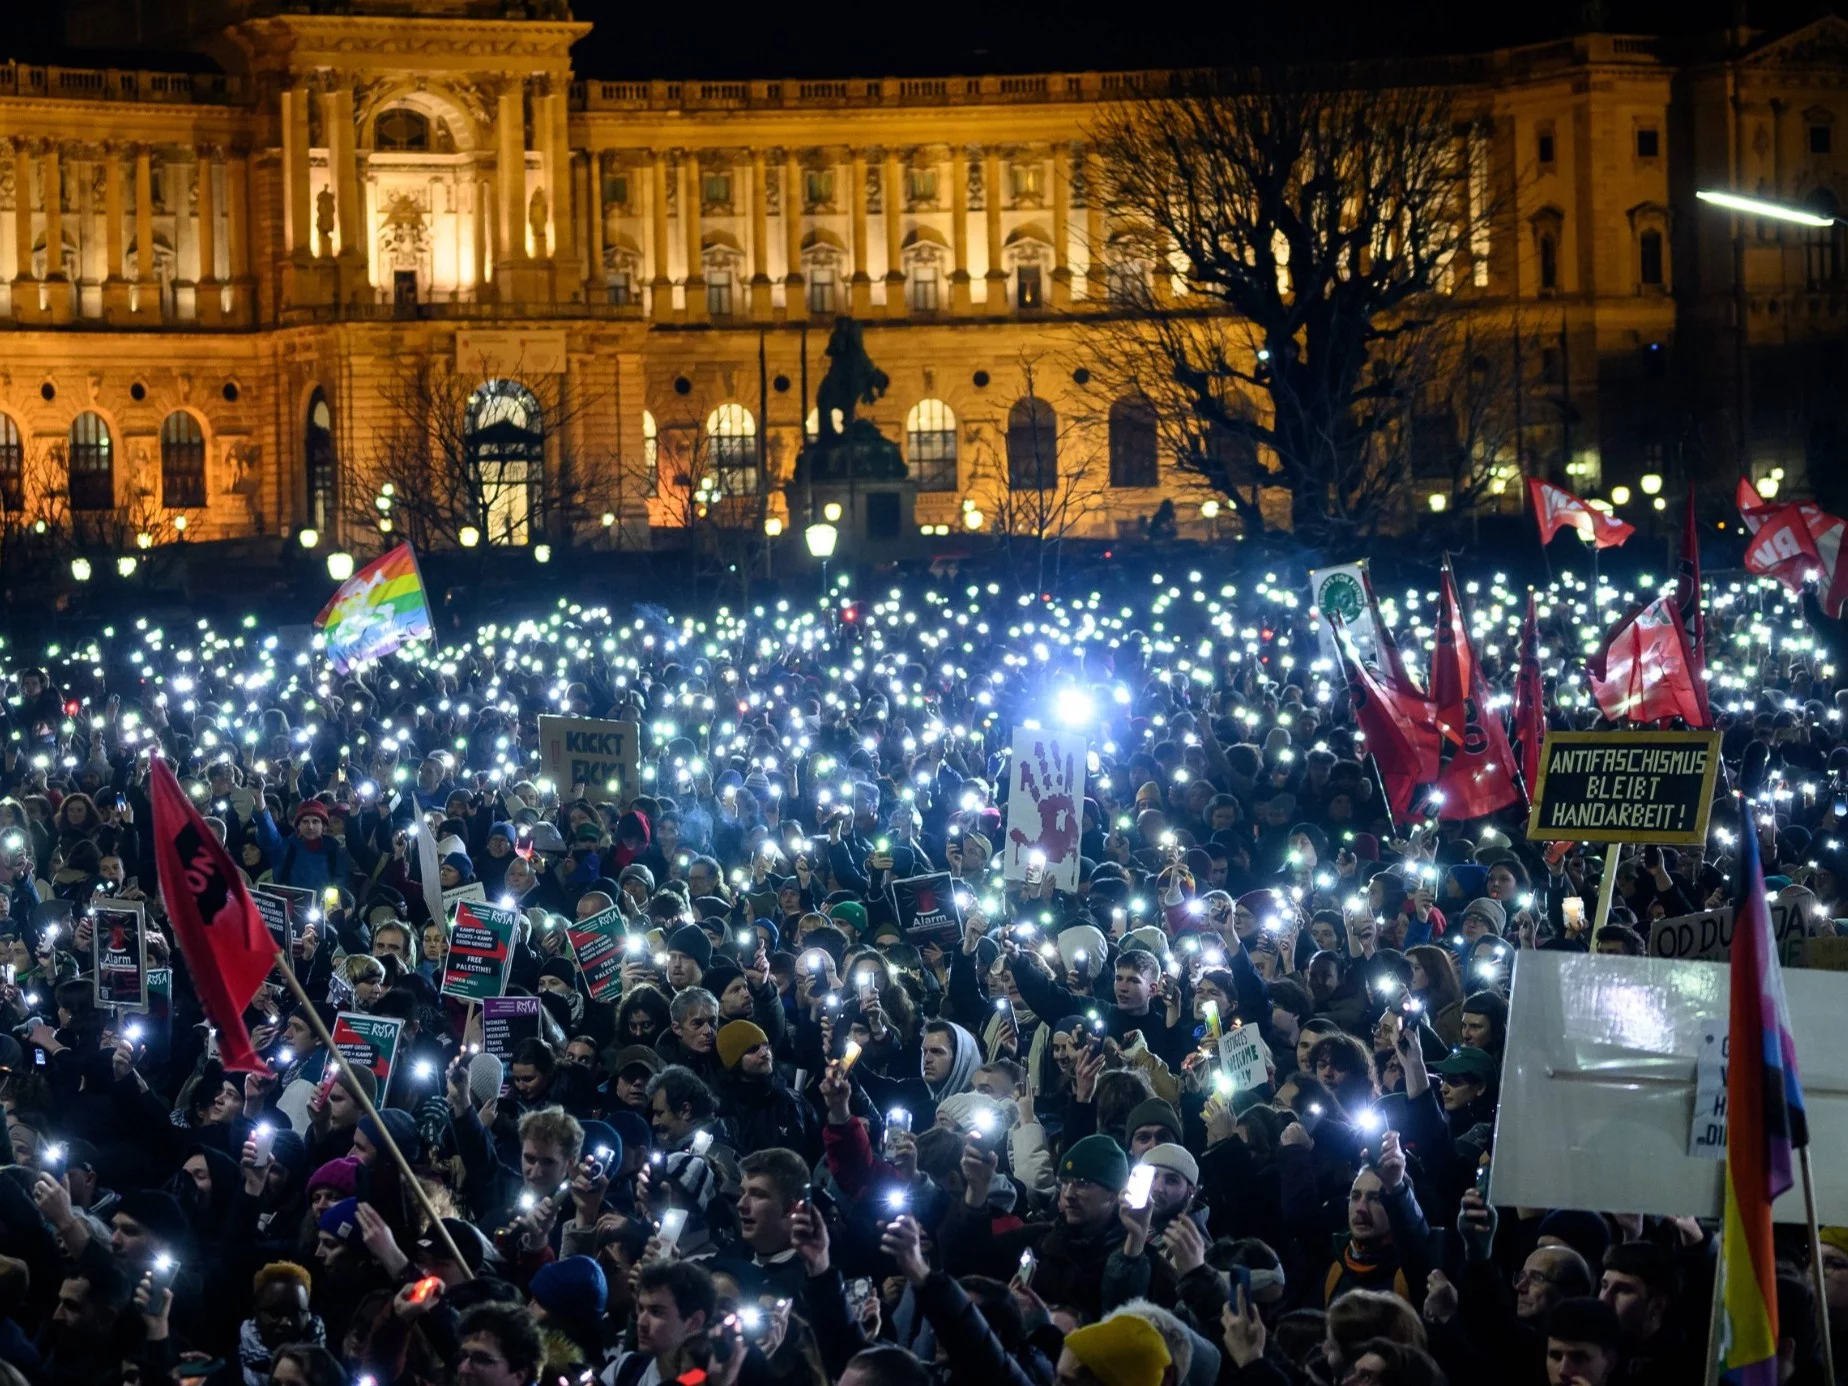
[(737, 1038), (853, 914), (1168, 1155), (721, 974), (403, 1128), (572, 1289), (1125, 1351), (1152, 1111), (157, 1212), (691, 940), (342, 1176), (341, 1221), (1487, 909), (1099, 1160)]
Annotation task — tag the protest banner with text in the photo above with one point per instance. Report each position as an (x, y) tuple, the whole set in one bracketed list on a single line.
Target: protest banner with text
[(604, 757), (480, 951), (1625, 786), (597, 943)]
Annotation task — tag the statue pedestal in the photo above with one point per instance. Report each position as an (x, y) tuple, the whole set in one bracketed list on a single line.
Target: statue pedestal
[(878, 519)]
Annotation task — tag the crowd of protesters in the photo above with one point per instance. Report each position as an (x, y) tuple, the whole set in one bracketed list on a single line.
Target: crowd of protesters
[(801, 1145)]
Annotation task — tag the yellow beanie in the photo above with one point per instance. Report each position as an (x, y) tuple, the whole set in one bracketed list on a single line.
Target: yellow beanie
[(1124, 1351), (1836, 1237), (737, 1038)]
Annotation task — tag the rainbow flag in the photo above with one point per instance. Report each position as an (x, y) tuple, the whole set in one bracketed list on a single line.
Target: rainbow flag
[(376, 610), (1764, 1123)]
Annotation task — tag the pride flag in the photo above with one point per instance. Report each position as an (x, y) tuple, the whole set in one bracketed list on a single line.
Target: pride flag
[(1764, 1122), (376, 610)]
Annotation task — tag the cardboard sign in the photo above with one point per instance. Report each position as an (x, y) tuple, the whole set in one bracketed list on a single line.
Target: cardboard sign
[(160, 1006), (1829, 952), (455, 895), (1625, 786), (278, 916), (119, 954), (929, 910), (369, 1041), (1344, 591), (480, 951), (1045, 806), (604, 757), (1707, 1131), (597, 944), (1241, 1055), (1707, 936), (505, 1021)]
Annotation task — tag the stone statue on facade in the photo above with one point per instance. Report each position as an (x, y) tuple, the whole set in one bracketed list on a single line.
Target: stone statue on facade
[(856, 449)]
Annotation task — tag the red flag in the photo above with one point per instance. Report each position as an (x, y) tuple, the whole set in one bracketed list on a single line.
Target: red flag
[(1529, 701), (1392, 663), (214, 920), (1452, 664), (1783, 548), (1404, 749), (1479, 777), (1555, 507), (1826, 532), (1643, 673)]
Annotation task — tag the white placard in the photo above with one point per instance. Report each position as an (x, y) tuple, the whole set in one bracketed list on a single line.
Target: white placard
[(1045, 804), (1707, 1130), (1241, 1055), (1598, 1081), (1345, 591)]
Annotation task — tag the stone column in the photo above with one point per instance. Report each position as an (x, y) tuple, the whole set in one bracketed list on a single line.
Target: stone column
[(662, 307), (297, 209), (1061, 225), (795, 303), (991, 206), (237, 234), (147, 292), (564, 195), (52, 173), (510, 150), (114, 242), (210, 304), (692, 193), (862, 282), (959, 229), (760, 237), (892, 202), (593, 224), (1097, 271)]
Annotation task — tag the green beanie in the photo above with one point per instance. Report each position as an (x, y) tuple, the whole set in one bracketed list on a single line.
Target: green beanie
[(853, 914), (1152, 1111), (1099, 1160)]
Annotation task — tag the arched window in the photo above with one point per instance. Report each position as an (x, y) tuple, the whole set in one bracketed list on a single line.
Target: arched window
[(318, 463), (401, 130), (1032, 445), (92, 464), (1649, 258), (930, 445), (1133, 460), (505, 449), (811, 426), (651, 453), (731, 434), (12, 466), (182, 462)]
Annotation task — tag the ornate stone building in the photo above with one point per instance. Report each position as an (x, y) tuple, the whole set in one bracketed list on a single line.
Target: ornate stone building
[(246, 259)]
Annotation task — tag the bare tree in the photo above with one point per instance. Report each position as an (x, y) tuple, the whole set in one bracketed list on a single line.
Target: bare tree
[(1281, 242), (40, 529), (456, 452)]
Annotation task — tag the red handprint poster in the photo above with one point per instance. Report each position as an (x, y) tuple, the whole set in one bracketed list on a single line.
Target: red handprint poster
[(1045, 807)]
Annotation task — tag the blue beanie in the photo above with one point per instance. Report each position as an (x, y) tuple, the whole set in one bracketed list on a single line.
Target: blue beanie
[(341, 1221), (460, 864), (775, 941), (572, 1289), (504, 830)]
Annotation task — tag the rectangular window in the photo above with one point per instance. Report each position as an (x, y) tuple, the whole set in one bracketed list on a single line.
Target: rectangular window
[(923, 184), (622, 289), (933, 458), (719, 293), (818, 187), (716, 188), (1027, 287), (821, 284), (1820, 139), (924, 288), (1544, 149), (1648, 143), (1549, 264), (1650, 248), (1026, 180), (1128, 285), (615, 190)]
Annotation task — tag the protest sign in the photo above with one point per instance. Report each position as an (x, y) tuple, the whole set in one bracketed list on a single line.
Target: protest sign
[(278, 916), (1828, 953), (455, 895), (118, 954), (160, 1008), (928, 910), (1045, 792), (369, 1041), (597, 943), (1625, 786), (480, 951), (604, 757), (1344, 591), (1707, 1131), (1707, 936), (505, 1021), (1241, 1055)]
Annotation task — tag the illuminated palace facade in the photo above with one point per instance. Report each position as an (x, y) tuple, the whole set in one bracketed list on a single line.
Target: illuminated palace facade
[(211, 277)]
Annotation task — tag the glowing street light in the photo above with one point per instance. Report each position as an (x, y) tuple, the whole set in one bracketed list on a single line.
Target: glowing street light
[(1767, 487), (973, 519), (126, 565), (1439, 502), (1620, 495), (80, 569), (542, 553), (1651, 484), (340, 566), (773, 526), (831, 512), (821, 539), (1759, 207), (468, 536), (309, 538)]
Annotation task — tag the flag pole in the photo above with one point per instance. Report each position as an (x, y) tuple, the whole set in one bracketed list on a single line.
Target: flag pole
[(404, 1166), (1816, 1275), (1607, 889)]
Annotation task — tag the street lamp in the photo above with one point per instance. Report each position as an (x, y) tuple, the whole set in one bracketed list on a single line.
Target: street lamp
[(80, 569), (468, 536), (1651, 484), (821, 540), (1439, 502), (340, 566), (542, 553), (1620, 495), (1759, 207), (973, 519), (126, 564), (309, 538), (773, 527), (831, 512)]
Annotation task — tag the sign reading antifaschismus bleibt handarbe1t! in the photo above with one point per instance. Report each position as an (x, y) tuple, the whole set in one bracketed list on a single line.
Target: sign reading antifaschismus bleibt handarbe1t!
[(1625, 786)]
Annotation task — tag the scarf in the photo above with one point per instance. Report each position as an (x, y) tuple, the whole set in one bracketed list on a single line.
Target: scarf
[(255, 1359)]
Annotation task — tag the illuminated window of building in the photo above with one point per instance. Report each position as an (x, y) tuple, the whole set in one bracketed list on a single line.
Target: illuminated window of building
[(1133, 457), (1028, 181), (1029, 290), (182, 462), (811, 426), (1648, 142), (716, 189), (1032, 445), (318, 460), (92, 463), (818, 187), (921, 186), (622, 271), (824, 280), (930, 445), (1649, 258), (12, 466), (505, 454), (731, 437), (719, 292), (615, 189), (651, 453), (922, 288), (621, 285), (401, 130)]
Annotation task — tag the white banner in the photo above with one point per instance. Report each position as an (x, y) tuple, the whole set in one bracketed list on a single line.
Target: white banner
[(1345, 591), (1045, 805), (1707, 936), (1600, 1078)]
